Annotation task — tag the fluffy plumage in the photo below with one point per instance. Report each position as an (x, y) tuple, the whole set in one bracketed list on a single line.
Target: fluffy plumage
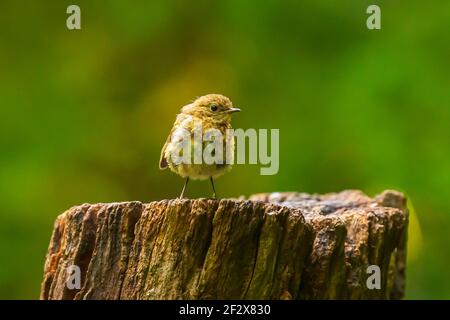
[(212, 111)]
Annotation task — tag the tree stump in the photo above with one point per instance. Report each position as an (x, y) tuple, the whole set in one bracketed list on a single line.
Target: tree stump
[(271, 246)]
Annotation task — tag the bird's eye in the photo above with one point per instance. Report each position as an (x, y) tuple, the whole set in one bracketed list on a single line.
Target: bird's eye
[(214, 107)]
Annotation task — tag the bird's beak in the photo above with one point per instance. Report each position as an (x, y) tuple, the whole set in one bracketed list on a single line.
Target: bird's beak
[(233, 110)]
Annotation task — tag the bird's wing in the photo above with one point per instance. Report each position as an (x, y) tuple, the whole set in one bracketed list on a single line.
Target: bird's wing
[(180, 120), (162, 160)]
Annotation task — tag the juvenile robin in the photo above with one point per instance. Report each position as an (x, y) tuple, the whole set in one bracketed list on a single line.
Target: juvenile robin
[(211, 112)]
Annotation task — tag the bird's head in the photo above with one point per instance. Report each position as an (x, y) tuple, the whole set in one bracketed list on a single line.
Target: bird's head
[(211, 106)]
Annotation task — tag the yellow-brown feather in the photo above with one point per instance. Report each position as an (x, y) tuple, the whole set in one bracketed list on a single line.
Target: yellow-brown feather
[(190, 116)]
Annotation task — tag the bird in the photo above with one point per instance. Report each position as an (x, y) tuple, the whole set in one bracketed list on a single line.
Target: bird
[(212, 112)]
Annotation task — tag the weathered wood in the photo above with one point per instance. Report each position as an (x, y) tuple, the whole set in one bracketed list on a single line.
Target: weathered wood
[(272, 246)]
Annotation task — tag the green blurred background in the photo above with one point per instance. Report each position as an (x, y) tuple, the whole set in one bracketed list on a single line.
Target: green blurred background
[(84, 114)]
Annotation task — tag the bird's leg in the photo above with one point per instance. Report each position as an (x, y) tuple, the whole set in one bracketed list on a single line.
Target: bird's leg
[(184, 188), (214, 189)]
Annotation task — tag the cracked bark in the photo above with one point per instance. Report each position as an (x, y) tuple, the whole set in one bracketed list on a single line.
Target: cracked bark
[(272, 246)]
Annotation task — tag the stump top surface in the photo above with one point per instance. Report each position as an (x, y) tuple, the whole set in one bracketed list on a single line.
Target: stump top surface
[(323, 204)]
